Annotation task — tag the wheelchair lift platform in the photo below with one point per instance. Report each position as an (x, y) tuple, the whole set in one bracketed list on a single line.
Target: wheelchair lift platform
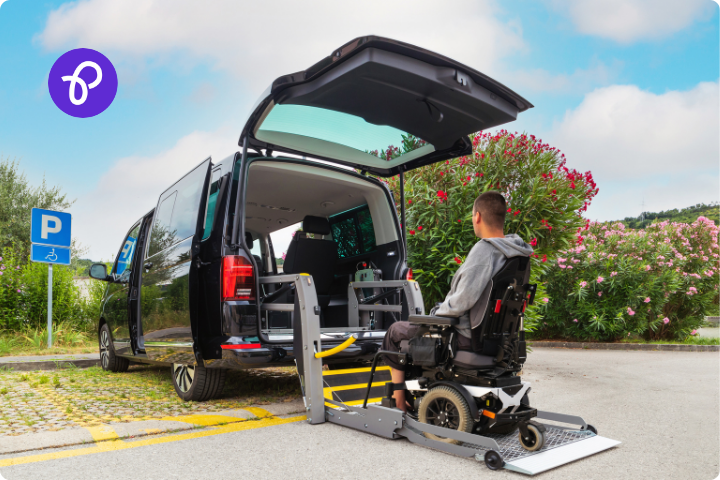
[(350, 398)]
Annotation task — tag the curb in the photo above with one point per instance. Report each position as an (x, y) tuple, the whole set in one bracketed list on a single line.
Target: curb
[(664, 347), (48, 364), (143, 428)]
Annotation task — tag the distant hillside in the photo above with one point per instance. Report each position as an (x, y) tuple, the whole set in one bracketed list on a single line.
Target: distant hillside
[(684, 215)]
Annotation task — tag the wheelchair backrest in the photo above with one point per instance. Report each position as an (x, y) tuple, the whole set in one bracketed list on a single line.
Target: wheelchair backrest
[(510, 294)]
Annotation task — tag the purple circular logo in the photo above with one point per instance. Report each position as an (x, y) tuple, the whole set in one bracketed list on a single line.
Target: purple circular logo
[(82, 83)]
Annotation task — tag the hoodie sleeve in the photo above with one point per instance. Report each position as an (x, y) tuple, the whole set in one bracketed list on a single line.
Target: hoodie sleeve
[(469, 288)]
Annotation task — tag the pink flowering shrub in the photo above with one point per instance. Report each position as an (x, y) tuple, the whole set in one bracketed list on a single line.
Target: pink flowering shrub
[(658, 283), (544, 198)]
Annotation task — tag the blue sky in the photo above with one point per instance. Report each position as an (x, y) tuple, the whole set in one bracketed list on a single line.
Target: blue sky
[(627, 89)]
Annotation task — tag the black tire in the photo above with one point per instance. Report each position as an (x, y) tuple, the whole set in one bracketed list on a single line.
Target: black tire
[(445, 407), (536, 440), (591, 428), (197, 384), (109, 361), (493, 460)]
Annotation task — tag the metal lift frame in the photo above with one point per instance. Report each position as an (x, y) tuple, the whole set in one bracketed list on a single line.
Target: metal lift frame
[(392, 423)]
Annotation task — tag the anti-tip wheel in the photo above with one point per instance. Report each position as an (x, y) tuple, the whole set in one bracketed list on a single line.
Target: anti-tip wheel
[(535, 440), (591, 428), (493, 460)]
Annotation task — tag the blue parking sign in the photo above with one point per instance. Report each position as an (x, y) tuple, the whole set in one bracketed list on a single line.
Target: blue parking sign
[(47, 254), (50, 228)]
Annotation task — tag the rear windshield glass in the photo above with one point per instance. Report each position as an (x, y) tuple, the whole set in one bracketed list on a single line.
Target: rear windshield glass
[(353, 232), (337, 135)]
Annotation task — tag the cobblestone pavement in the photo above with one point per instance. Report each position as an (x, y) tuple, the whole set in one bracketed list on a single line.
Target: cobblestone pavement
[(49, 401)]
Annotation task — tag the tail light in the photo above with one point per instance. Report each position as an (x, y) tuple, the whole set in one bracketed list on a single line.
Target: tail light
[(409, 274), (238, 278)]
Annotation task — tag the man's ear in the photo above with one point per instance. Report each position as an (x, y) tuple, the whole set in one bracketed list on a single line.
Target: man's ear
[(476, 218)]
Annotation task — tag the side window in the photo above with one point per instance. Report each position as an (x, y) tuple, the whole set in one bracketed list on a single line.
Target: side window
[(212, 201), (353, 232), (177, 214), (161, 236), (127, 253)]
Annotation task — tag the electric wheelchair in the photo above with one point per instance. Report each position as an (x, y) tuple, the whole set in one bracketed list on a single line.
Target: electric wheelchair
[(474, 385)]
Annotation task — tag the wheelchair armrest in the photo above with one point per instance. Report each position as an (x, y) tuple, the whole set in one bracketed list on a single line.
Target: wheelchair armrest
[(433, 320)]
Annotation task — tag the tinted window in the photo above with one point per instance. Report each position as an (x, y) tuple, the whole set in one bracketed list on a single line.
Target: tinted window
[(212, 201), (353, 232), (176, 218), (127, 253), (161, 236)]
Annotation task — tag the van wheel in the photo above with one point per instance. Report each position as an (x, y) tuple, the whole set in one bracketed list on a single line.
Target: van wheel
[(197, 384), (109, 361), (445, 407)]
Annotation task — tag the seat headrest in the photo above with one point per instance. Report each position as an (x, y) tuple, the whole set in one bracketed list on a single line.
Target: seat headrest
[(248, 240), (318, 225)]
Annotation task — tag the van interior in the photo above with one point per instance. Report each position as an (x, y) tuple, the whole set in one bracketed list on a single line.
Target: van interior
[(347, 231)]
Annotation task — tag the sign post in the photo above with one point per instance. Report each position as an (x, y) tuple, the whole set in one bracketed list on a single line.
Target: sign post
[(50, 237)]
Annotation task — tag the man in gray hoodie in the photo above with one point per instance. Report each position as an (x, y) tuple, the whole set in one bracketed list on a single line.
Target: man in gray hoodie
[(471, 285)]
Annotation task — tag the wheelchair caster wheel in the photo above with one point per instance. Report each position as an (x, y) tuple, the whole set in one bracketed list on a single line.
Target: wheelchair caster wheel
[(591, 428), (536, 438), (493, 460)]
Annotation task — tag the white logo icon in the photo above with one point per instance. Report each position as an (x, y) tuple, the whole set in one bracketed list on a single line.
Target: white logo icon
[(45, 228), (52, 256), (74, 78)]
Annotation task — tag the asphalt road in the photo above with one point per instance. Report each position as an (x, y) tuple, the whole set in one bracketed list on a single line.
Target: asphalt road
[(663, 406)]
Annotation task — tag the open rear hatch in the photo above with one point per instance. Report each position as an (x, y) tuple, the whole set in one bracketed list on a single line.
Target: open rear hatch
[(373, 93)]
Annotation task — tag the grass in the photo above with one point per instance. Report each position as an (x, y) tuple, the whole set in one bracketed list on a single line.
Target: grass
[(66, 340), (696, 340)]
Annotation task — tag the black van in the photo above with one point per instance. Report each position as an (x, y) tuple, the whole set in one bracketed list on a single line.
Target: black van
[(191, 286)]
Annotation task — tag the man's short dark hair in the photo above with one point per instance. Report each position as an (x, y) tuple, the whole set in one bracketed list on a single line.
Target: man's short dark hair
[(492, 208)]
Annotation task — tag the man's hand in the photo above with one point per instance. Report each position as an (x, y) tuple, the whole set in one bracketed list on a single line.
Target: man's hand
[(435, 308)]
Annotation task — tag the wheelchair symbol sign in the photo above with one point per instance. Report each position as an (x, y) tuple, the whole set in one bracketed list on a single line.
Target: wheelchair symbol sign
[(47, 254)]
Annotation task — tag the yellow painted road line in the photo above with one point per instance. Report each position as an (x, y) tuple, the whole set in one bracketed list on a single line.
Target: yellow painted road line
[(352, 403), (120, 445), (353, 370), (103, 432), (259, 412), (204, 420)]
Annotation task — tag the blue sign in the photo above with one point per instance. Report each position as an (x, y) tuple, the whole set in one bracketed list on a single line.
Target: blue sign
[(46, 254), (126, 255), (50, 228)]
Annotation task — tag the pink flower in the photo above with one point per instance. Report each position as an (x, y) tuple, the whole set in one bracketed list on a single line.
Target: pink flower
[(599, 294), (583, 284), (600, 279), (575, 320), (546, 300), (694, 332), (630, 311), (647, 267), (569, 267), (647, 300), (666, 320), (613, 274)]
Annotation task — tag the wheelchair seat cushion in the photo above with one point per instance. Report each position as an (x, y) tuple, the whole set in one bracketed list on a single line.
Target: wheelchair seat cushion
[(470, 360), (432, 320)]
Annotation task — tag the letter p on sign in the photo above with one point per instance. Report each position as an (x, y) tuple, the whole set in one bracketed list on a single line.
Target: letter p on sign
[(46, 228)]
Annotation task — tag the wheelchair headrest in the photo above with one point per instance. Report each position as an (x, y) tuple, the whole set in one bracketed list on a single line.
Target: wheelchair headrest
[(317, 225)]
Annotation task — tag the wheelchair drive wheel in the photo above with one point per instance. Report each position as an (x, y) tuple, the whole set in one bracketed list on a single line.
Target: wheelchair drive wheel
[(535, 440), (445, 407)]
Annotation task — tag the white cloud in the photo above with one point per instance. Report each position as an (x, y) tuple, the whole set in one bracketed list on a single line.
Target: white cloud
[(131, 187), (580, 81), (664, 148), (626, 21), (259, 41)]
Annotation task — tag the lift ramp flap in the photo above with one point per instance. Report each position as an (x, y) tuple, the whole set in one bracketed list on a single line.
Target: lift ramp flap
[(548, 459)]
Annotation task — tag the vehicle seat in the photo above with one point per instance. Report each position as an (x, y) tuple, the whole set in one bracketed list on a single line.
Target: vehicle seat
[(314, 256), (258, 259)]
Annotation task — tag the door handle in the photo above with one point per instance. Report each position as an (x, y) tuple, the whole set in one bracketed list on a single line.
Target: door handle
[(148, 265)]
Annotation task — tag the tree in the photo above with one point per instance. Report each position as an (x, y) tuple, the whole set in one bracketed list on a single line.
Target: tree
[(17, 199)]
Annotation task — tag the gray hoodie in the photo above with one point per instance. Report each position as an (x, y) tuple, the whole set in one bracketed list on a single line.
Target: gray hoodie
[(471, 284)]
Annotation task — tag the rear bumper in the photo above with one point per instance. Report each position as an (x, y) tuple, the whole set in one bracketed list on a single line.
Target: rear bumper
[(283, 355)]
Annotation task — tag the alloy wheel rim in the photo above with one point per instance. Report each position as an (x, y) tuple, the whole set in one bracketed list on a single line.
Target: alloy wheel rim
[(443, 413), (104, 349), (183, 376)]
